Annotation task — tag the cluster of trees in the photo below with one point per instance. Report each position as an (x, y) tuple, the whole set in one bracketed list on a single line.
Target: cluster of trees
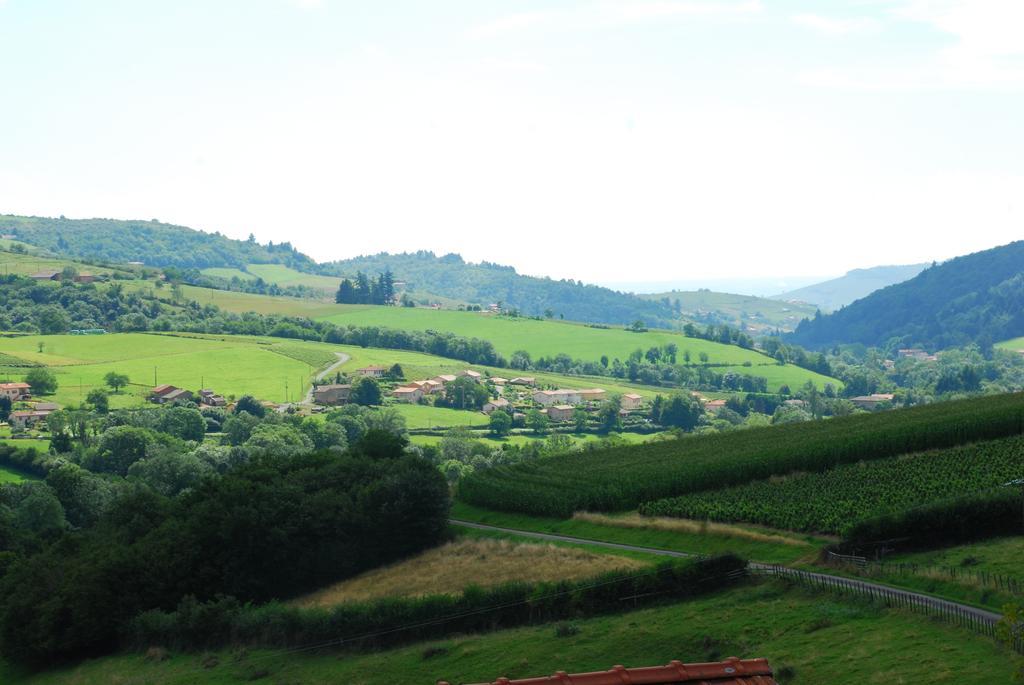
[(364, 290), (279, 505), (151, 242), (450, 276)]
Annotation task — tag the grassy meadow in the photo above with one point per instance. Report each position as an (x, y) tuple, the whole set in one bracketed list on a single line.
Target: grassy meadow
[(10, 476), (488, 561), (808, 638), (522, 439), (760, 312), (24, 264)]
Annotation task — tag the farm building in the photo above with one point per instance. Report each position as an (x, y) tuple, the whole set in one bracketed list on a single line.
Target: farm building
[(714, 406), (209, 398), (498, 380), (45, 275), (495, 404), (469, 373), (45, 406), (444, 379), (373, 371), (333, 393), (732, 671), (561, 412), (15, 391), (871, 402), (159, 391), (432, 387), (163, 394), (407, 394), (524, 380), (631, 401)]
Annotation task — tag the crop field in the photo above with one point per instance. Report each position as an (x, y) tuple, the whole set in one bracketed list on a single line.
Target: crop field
[(832, 501), (622, 478), (819, 639), (230, 365), (488, 562)]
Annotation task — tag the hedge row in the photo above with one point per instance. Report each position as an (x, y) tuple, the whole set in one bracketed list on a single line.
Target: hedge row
[(29, 461), (941, 524), (622, 478), (385, 623)]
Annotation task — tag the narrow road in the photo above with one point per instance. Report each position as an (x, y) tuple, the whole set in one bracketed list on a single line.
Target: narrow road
[(854, 584), (342, 358)]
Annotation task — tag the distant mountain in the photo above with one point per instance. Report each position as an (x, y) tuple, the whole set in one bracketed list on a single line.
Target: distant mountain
[(151, 242), (753, 315), (485, 283), (839, 292), (978, 298)]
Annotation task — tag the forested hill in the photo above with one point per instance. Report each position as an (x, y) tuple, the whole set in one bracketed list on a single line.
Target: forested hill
[(839, 292), (485, 283), (151, 242), (976, 298)]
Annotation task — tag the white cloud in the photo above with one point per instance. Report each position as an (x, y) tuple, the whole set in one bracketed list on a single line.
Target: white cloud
[(610, 14), (834, 26)]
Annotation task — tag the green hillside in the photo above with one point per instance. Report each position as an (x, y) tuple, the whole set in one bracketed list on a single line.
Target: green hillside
[(835, 294), (151, 242), (757, 315), (977, 298)]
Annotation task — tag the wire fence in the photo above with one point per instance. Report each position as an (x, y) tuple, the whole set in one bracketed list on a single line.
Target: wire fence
[(977, 620), (960, 574)]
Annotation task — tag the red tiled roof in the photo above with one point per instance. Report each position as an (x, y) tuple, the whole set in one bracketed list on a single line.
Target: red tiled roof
[(732, 671)]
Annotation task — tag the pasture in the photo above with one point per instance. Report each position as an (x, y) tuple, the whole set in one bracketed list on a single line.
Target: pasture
[(230, 365), (8, 475), (817, 638)]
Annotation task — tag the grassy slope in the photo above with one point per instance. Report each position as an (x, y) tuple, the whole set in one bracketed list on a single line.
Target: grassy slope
[(283, 276), (759, 312), (694, 543), (9, 476), (822, 639), (1014, 345), (23, 264)]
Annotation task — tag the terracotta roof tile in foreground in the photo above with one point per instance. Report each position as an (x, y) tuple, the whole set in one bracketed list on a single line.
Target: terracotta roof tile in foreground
[(732, 671)]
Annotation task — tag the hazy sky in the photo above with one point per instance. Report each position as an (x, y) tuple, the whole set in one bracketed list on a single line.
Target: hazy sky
[(605, 141)]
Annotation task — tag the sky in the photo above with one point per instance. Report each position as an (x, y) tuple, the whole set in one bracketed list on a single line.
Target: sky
[(605, 141)]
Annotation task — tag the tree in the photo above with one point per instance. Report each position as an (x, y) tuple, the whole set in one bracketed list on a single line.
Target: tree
[(465, 393), (116, 380), (608, 415), (537, 422), (500, 423), (395, 372), (52, 320), (386, 419), (185, 423), (278, 441), (119, 448), (579, 419), (42, 381), (99, 400), (681, 411), (250, 405), (346, 293), (1010, 631), (5, 407), (366, 392)]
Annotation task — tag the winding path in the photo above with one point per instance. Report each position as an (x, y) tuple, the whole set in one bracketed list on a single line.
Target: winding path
[(981, 615), (342, 358)]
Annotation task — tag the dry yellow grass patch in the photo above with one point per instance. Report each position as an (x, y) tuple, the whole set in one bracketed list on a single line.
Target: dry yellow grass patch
[(685, 526), (482, 561)]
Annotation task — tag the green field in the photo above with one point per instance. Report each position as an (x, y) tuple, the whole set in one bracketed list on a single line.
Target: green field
[(423, 416), (1014, 345), (815, 638), (539, 338), (740, 311), (228, 273), (527, 439), (10, 476), (229, 365), (24, 264)]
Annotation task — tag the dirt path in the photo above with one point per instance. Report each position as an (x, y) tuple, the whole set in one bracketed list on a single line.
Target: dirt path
[(852, 584), (342, 358)]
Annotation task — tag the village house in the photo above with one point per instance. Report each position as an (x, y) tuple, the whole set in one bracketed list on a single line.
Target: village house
[(209, 398), (469, 373), (631, 401), (26, 418), (548, 398), (407, 394), (332, 393), (871, 402), (15, 391), (444, 379), (561, 412), (495, 404), (498, 380), (432, 387), (714, 406), (45, 275), (524, 380), (176, 395), (45, 406), (592, 395), (372, 371), (157, 393)]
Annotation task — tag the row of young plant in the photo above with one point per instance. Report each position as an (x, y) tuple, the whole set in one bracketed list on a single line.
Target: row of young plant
[(620, 479), (225, 622), (841, 498)]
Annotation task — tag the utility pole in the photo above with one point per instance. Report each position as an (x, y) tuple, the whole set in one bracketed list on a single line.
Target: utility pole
[(1014, 483)]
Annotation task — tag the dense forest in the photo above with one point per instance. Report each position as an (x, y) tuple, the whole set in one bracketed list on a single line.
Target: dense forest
[(978, 298), (151, 242), (485, 283)]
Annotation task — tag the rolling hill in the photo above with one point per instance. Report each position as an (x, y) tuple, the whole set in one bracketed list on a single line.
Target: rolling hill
[(835, 294), (977, 298), (757, 315)]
